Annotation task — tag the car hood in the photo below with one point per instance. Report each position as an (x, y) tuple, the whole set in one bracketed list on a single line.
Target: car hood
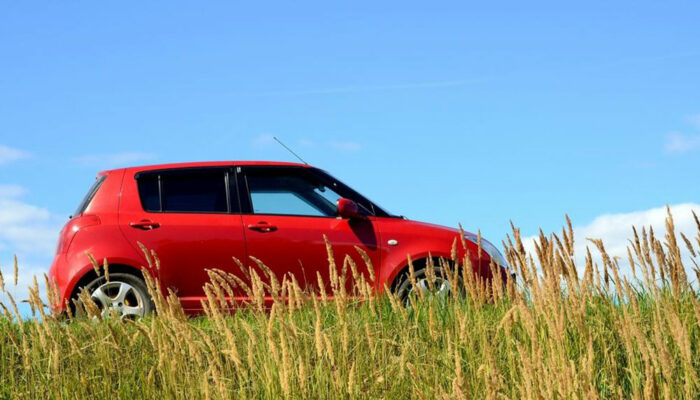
[(435, 227)]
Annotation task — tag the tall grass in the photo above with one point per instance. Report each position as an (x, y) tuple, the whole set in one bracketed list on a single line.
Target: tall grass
[(561, 331)]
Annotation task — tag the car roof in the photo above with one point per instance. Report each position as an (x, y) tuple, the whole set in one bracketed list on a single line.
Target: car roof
[(206, 164)]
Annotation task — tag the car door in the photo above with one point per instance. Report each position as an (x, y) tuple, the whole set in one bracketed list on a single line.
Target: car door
[(286, 213), (190, 218)]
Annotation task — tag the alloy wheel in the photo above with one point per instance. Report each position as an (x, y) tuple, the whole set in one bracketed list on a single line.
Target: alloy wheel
[(124, 299)]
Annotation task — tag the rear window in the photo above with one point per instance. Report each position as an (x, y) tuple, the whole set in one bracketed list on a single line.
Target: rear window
[(203, 191), (90, 195)]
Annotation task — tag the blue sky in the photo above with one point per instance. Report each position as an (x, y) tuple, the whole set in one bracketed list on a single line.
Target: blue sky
[(443, 112)]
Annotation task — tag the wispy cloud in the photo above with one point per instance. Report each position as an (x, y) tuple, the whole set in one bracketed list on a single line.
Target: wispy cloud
[(266, 140), (695, 120), (263, 140), (305, 142), (677, 143), (114, 159), (9, 154), (345, 145), (375, 88), (11, 191)]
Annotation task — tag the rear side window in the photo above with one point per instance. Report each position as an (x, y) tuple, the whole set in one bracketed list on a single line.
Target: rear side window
[(90, 195), (203, 191), (194, 192), (149, 192)]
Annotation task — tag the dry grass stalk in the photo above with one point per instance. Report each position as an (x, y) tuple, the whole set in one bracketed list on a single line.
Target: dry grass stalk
[(16, 269), (560, 331)]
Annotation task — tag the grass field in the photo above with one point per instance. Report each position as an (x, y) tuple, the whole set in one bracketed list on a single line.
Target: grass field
[(563, 331)]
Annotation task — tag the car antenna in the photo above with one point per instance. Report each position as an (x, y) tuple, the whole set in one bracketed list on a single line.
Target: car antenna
[(290, 150)]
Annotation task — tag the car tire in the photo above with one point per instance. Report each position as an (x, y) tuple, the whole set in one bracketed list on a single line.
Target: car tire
[(404, 287), (124, 293)]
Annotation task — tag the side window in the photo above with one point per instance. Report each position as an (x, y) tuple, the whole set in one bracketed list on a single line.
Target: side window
[(285, 192), (202, 191), (90, 195), (193, 192), (149, 192)]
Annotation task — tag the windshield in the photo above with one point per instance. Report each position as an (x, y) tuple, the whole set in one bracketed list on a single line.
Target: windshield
[(90, 194)]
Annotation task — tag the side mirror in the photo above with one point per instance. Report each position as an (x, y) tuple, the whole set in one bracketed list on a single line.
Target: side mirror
[(348, 209)]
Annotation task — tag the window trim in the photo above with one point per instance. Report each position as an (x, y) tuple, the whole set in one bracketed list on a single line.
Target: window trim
[(159, 173)]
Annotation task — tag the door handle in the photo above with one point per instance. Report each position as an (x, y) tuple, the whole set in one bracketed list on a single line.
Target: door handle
[(263, 227), (145, 224)]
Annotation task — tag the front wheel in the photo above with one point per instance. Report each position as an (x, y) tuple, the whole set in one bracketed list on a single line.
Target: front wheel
[(440, 287), (124, 294)]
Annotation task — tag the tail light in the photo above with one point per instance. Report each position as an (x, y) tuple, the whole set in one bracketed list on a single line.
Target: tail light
[(71, 228)]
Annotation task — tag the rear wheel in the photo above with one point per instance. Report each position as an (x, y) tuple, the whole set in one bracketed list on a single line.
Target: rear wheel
[(124, 295)]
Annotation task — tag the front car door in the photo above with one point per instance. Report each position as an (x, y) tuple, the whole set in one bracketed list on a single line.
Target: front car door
[(286, 213), (190, 218)]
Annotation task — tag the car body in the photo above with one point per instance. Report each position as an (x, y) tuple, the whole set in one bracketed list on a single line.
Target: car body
[(199, 216)]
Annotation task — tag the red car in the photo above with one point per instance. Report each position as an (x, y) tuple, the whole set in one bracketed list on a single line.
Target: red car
[(198, 216)]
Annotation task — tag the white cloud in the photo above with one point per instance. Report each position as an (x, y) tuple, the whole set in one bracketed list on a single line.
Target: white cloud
[(615, 230), (677, 142), (112, 160), (9, 154), (345, 146), (28, 231), (27, 228), (15, 212), (263, 140)]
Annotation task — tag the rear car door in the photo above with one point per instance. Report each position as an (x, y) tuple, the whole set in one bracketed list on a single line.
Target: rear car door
[(190, 217), (286, 213)]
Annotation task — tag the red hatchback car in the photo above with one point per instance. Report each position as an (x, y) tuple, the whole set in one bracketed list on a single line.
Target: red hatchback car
[(198, 216)]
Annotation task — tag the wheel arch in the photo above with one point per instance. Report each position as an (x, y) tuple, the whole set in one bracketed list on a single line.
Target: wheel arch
[(418, 262), (90, 274)]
